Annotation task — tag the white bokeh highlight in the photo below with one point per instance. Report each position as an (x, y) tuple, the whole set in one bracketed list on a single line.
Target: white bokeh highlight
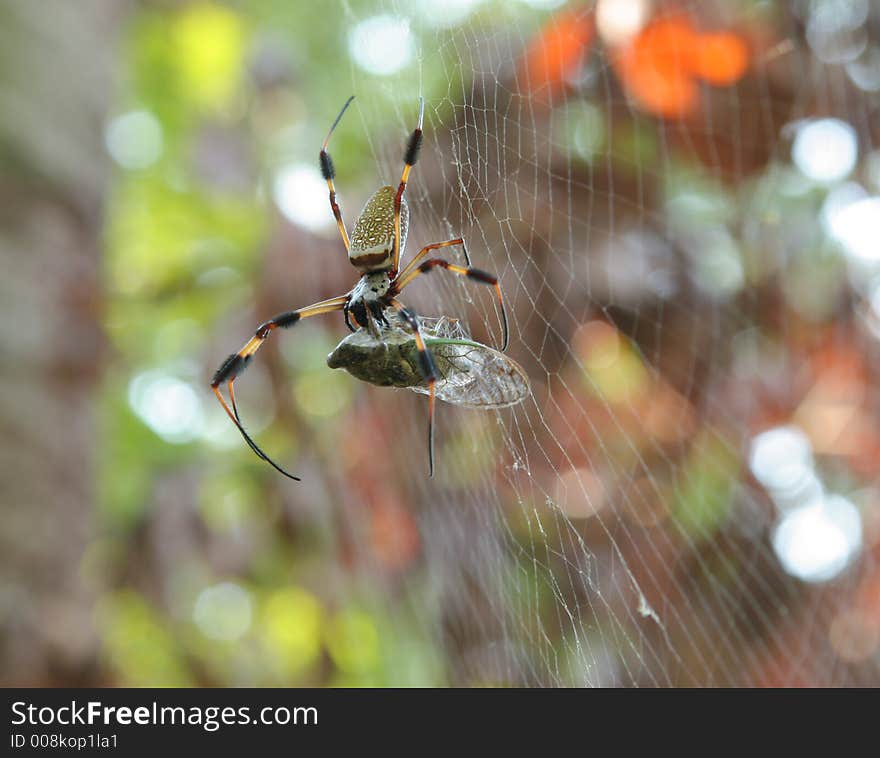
[(300, 193), (134, 140), (825, 150), (781, 459), (168, 405), (381, 45), (443, 14), (618, 21), (223, 611), (855, 226), (817, 541)]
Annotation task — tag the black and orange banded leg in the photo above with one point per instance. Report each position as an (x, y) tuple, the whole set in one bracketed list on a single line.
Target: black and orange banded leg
[(236, 363), (426, 366), (434, 246), (329, 173), (471, 273), (409, 159)]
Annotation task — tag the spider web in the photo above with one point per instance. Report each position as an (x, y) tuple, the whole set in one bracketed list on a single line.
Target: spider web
[(609, 531)]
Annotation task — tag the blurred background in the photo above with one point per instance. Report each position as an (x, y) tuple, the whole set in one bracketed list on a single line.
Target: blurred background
[(682, 202)]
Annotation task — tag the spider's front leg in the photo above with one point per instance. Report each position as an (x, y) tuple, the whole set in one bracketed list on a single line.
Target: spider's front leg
[(475, 274), (427, 368), (236, 363), (413, 146), (329, 173), (435, 246), (346, 313)]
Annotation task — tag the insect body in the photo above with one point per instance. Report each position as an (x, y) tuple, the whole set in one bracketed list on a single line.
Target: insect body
[(468, 373), (376, 244)]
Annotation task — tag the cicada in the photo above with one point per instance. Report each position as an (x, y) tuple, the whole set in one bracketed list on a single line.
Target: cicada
[(468, 373)]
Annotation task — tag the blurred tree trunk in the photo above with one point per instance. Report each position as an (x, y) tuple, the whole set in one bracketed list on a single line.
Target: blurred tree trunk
[(55, 81)]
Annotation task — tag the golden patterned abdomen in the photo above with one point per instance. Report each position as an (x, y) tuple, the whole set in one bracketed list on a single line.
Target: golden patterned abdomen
[(372, 239)]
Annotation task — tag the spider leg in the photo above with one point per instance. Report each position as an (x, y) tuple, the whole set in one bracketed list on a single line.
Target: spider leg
[(471, 273), (329, 173), (232, 398), (426, 366), (236, 363), (409, 159), (372, 322), (435, 246)]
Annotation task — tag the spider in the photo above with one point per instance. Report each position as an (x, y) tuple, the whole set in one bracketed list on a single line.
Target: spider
[(374, 248)]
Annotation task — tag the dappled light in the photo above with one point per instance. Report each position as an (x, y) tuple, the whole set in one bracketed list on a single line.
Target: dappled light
[(669, 478)]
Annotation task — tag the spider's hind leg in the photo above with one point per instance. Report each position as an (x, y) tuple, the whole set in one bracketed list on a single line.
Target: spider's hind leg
[(427, 368)]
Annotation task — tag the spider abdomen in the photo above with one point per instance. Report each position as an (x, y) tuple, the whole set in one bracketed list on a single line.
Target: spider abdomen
[(372, 239)]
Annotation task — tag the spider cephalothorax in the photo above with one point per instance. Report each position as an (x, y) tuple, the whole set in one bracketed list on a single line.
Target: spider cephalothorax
[(376, 244), (367, 300)]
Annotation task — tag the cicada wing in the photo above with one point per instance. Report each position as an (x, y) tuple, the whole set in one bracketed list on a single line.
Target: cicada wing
[(475, 375)]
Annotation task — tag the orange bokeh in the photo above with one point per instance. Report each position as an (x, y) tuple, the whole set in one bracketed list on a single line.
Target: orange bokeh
[(655, 68), (558, 50), (720, 59), (660, 67)]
